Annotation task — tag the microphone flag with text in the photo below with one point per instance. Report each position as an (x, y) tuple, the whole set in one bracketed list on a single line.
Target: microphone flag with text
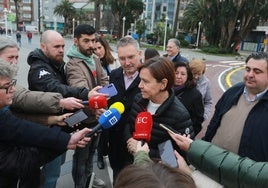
[(96, 102), (108, 118), (143, 126)]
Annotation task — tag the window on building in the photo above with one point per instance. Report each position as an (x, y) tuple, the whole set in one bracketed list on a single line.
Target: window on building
[(26, 8)]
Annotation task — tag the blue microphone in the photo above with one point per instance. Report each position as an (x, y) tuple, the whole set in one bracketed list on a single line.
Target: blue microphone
[(107, 119)]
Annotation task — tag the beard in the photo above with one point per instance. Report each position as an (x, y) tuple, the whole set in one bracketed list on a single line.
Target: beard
[(86, 52), (57, 59)]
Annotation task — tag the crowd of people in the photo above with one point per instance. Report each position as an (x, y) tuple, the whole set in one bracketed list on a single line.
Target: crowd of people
[(172, 89)]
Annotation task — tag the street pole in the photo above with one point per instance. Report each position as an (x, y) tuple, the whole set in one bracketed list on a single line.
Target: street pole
[(73, 26), (55, 23), (5, 14), (124, 19), (165, 36), (94, 22), (198, 34)]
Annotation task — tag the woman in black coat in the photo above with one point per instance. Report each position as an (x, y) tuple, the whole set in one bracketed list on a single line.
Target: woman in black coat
[(157, 97), (185, 90)]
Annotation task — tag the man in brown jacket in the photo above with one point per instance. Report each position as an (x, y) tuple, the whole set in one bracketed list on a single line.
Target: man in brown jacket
[(84, 70)]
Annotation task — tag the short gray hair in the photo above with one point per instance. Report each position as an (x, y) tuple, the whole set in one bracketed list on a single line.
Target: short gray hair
[(175, 41), (8, 70), (128, 40), (7, 43)]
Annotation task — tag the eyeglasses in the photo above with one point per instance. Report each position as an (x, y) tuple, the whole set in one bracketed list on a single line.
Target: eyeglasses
[(8, 88)]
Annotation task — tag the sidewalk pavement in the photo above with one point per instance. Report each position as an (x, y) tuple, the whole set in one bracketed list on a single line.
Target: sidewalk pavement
[(66, 180)]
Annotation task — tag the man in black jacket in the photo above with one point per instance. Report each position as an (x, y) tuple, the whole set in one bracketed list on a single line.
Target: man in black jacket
[(47, 74), (25, 146), (27, 101)]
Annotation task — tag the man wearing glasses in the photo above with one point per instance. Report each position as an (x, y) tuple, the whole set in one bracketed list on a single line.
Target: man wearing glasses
[(126, 80)]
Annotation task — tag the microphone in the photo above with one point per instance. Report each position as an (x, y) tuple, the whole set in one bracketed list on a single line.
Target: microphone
[(108, 118), (143, 126), (96, 102), (119, 107)]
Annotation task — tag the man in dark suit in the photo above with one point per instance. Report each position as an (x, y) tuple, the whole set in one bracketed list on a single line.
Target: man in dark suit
[(173, 51), (126, 80)]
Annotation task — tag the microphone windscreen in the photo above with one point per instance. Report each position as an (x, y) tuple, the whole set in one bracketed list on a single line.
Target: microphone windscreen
[(118, 106), (109, 118), (143, 126), (97, 102)]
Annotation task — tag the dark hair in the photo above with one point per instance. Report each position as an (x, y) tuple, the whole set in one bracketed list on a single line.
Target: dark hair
[(108, 57), (258, 56), (156, 175), (190, 83), (160, 68), (150, 53), (83, 29)]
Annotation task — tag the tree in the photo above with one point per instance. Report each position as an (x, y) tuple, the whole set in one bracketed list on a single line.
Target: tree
[(160, 31), (225, 22), (66, 10), (131, 9), (140, 28), (97, 13)]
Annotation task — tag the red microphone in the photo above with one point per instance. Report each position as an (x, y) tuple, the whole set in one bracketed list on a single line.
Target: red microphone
[(143, 126), (96, 102)]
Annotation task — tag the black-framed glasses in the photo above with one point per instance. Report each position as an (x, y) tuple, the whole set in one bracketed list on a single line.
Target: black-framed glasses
[(8, 88)]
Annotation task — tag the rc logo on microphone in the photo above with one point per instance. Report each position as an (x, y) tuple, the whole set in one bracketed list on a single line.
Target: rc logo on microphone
[(142, 119)]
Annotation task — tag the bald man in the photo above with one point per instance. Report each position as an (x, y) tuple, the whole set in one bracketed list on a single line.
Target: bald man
[(47, 74)]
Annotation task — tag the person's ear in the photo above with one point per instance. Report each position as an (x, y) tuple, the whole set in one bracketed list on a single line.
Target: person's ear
[(164, 83), (75, 41), (43, 47)]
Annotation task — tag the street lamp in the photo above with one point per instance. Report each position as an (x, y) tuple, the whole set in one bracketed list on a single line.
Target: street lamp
[(132, 28), (124, 19), (94, 22), (165, 36), (198, 34), (238, 25), (5, 14), (73, 27), (55, 23)]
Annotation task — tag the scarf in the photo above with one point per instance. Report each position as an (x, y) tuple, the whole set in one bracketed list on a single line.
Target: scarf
[(73, 52)]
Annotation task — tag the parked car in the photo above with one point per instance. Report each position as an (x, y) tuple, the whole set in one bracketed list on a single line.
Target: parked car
[(107, 34), (103, 33)]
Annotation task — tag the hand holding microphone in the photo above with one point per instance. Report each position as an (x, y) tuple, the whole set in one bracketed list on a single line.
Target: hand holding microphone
[(96, 102), (109, 118), (143, 126)]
